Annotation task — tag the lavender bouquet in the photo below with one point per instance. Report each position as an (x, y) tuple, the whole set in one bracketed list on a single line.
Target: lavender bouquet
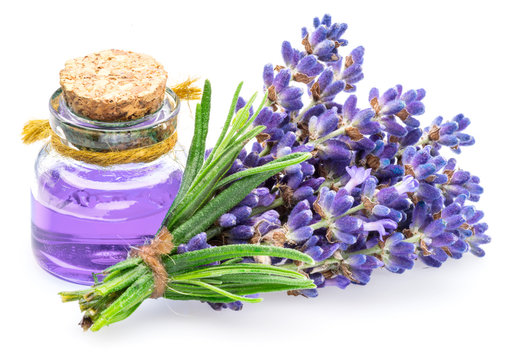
[(374, 190)]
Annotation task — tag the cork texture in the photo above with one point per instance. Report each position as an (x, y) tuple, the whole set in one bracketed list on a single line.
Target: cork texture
[(113, 85)]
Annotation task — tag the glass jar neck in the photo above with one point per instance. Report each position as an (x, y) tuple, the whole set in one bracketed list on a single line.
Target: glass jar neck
[(83, 133)]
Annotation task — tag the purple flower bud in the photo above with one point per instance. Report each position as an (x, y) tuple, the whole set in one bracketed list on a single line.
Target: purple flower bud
[(299, 235), (409, 96), (435, 228), (349, 107), (393, 128), (310, 66), (241, 213), (334, 150), (415, 108), (332, 90), (392, 107), (198, 242), (227, 220), (387, 195), (448, 140), (302, 193), (340, 281), (380, 210), (268, 75), (241, 232), (369, 186), (324, 48), (315, 252), (389, 95), (448, 128), (250, 200), (282, 79), (428, 192), (287, 53), (348, 224), (318, 35), (444, 239), (299, 219)]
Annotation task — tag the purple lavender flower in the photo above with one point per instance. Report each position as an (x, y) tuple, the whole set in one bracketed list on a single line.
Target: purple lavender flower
[(391, 195), (386, 107), (357, 176), (322, 250), (326, 88), (461, 182), (322, 125), (422, 165), (360, 267), (330, 204), (279, 90), (398, 255), (450, 133), (380, 226), (197, 242), (298, 229), (376, 192), (349, 69), (325, 39)]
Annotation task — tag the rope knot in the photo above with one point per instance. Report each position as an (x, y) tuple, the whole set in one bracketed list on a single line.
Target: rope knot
[(151, 254)]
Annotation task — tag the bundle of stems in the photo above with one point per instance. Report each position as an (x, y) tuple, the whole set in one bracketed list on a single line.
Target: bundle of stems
[(215, 274)]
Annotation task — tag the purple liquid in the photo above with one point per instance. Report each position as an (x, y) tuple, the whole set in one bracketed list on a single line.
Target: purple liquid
[(86, 219)]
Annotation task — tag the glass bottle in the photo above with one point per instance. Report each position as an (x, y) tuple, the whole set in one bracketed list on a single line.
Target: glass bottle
[(85, 217)]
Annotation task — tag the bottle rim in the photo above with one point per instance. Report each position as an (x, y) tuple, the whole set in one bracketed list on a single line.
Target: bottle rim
[(82, 133)]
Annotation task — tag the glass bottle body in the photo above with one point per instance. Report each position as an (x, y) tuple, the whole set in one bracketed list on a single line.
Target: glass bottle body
[(86, 217)]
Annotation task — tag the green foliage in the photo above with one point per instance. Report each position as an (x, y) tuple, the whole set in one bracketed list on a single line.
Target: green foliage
[(215, 274)]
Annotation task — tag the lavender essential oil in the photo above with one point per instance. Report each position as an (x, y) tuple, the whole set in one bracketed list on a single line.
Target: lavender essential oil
[(85, 219)]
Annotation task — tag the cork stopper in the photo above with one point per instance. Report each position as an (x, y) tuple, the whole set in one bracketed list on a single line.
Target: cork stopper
[(113, 85)]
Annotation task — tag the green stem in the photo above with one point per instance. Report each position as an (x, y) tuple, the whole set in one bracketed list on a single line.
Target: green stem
[(331, 135), (266, 150), (214, 231), (352, 210), (327, 222), (371, 251), (276, 203), (376, 249), (304, 111)]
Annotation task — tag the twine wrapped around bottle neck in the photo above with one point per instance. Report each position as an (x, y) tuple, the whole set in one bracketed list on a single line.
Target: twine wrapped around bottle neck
[(36, 130)]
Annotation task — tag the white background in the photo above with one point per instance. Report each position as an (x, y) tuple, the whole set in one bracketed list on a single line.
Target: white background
[(454, 50)]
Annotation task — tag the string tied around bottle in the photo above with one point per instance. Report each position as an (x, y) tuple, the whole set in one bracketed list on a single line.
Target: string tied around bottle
[(37, 130)]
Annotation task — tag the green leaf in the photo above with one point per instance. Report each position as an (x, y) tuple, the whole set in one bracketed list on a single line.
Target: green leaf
[(250, 134), (216, 207), (241, 117), (248, 289), (136, 293), (203, 186), (125, 264), (253, 117), (277, 164), (193, 259), (221, 270), (197, 150), (120, 282), (227, 122), (223, 292)]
